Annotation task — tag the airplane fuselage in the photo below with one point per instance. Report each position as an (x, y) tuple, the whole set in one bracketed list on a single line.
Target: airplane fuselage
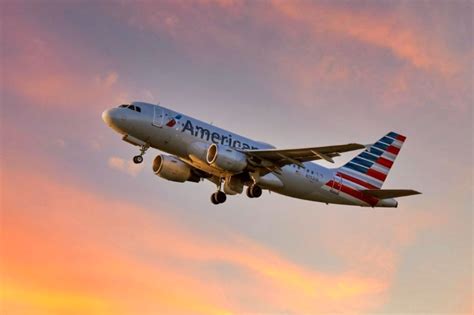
[(175, 133)]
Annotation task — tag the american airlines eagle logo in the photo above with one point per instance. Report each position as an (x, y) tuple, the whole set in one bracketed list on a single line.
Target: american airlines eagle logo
[(173, 121)]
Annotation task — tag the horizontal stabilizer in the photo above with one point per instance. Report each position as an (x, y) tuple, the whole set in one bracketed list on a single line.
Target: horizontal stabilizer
[(390, 193)]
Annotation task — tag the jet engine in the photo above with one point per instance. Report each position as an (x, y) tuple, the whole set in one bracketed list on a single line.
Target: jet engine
[(173, 169), (226, 158), (197, 151)]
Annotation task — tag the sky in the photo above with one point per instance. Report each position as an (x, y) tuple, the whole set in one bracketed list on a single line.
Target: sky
[(85, 231)]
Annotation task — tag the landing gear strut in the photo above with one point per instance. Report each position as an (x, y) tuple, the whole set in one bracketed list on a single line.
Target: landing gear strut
[(254, 191), (137, 159)]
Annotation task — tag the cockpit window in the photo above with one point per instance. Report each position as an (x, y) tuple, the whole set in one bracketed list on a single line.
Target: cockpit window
[(132, 107)]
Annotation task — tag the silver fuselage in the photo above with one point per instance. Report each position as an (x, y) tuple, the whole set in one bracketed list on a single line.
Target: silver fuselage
[(154, 126)]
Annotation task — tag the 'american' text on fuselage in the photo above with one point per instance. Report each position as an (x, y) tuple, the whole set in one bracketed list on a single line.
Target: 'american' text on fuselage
[(206, 134)]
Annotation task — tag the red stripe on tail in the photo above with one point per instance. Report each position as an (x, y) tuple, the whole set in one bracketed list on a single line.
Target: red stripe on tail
[(393, 150), (357, 181), (354, 193), (384, 162), (401, 138), (376, 174)]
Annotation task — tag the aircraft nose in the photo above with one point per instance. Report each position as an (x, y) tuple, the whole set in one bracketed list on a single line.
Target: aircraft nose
[(109, 116)]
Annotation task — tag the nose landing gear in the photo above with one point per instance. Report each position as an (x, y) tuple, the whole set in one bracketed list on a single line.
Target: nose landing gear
[(137, 159)]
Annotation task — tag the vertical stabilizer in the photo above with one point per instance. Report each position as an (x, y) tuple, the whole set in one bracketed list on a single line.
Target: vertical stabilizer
[(370, 168)]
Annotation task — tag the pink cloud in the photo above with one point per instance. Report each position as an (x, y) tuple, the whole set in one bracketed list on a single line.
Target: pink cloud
[(127, 167), (43, 69), (323, 48)]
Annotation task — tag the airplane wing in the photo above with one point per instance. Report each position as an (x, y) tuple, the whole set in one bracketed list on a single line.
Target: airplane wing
[(278, 158), (390, 193)]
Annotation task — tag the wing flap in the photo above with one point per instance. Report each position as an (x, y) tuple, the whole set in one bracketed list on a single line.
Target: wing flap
[(390, 193)]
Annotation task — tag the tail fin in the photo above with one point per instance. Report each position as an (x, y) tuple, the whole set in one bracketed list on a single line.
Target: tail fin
[(370, 168)]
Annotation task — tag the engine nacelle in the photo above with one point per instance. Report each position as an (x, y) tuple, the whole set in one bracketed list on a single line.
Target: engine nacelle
[(173, 169), (226, 158), (197, 151)]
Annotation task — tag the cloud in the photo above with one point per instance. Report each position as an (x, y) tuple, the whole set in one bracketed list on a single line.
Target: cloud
[(317, 50), (74, 245), (127, 167), (41, 68), (107, 80), (60, 143), (88, 257), (385, 30)]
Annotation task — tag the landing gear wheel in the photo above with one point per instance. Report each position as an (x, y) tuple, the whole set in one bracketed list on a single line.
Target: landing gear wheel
[(137, 159), (254, 191), (218, 197), (248, 193), (221, 197), (213, 199)]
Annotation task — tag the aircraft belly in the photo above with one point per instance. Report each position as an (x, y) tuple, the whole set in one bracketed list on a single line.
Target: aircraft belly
[(295, 185)]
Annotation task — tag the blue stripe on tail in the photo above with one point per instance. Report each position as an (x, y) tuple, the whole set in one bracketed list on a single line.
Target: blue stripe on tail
[(365, 161)]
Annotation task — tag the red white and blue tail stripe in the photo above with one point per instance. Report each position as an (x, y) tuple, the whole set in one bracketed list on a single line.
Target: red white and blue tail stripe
[(370, 168)]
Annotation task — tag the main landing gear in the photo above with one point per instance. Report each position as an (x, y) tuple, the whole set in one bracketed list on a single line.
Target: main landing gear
[(137, 159), (254, 191), (218, 197)]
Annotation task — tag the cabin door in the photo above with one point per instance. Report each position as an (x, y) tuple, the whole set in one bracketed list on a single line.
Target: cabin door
[(158, 116)]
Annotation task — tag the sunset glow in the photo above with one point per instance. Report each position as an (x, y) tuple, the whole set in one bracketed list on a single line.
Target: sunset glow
[(83, 230)]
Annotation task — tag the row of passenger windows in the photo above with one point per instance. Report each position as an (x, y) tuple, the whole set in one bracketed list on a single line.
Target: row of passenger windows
[(307, 170), (132, 107)]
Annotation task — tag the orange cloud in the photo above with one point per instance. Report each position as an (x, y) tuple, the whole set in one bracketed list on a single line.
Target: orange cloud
[(66, 249), (377, 253), (58, 256)]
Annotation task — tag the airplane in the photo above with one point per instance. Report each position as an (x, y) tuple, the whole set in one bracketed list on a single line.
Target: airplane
[(197, 150)]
